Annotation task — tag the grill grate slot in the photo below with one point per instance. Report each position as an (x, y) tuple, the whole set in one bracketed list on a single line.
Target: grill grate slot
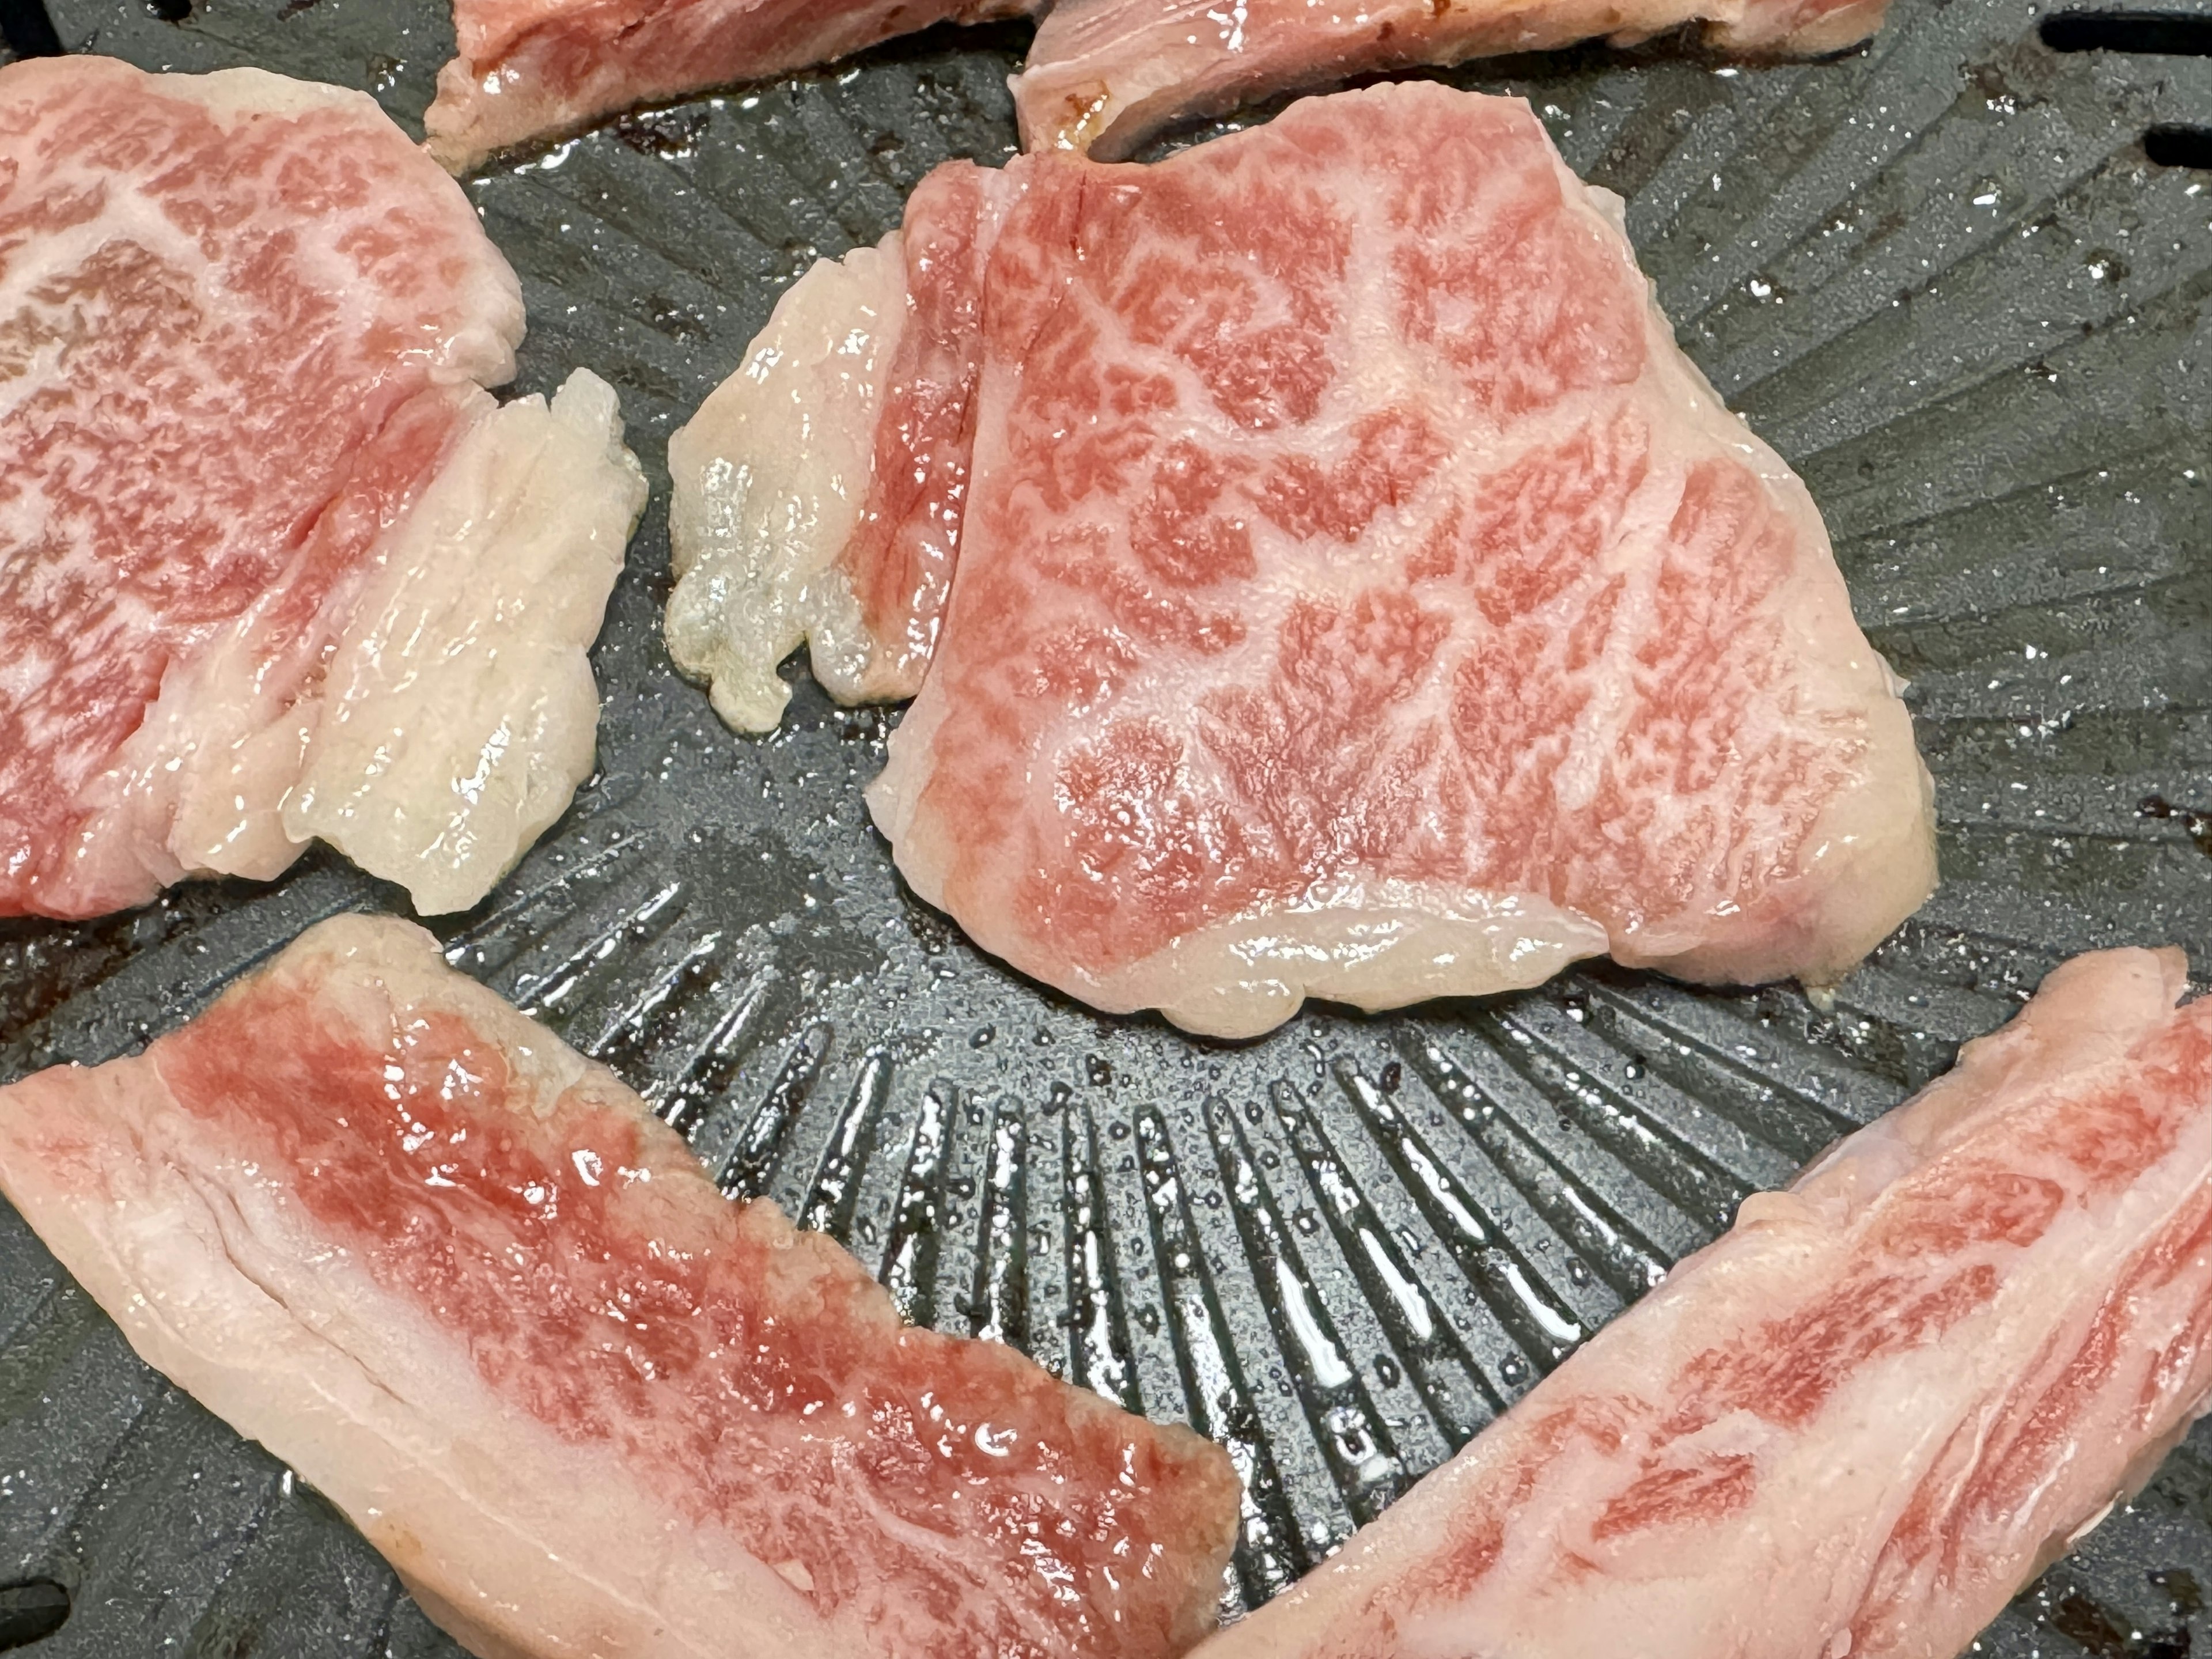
[(2180, 147), (30, 1612), (2161, 33), (28, 32)]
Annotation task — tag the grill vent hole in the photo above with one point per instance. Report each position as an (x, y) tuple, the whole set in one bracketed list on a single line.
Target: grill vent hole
[(28, 30), (30, 1612), (2180, 147), (2164, 34)]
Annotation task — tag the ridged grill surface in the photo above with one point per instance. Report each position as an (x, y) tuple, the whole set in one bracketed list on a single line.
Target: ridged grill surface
[(1939, 274)]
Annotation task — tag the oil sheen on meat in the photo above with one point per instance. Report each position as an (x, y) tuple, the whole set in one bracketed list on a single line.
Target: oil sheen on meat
[(456, 1276), (1359, 595), (245, 328), (532, 69), (1103, 76), (1871, 1412)]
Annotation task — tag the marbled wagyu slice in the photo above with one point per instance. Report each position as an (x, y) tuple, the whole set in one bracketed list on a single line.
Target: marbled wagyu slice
[(466, 1283), (1359, 595), (1103, 76), (530, 69), (244, 331), (1861, 1420)]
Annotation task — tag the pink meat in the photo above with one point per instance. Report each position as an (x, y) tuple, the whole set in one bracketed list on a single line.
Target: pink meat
[(819, 491), (1360, 595), (242, 322), (472, 1288), (1105, 75), (900, 560), (1860, 1420), (538, 68)]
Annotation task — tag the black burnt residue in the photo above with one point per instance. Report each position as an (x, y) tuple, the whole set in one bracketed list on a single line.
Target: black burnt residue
[(671, 135), (679, 322), (31, 1612), (2198, 825)]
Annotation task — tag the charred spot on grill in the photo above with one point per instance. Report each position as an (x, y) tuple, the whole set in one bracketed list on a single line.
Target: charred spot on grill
[(2163, 33), (670, 134), (171, 11), (30, 1611), (677, 321)]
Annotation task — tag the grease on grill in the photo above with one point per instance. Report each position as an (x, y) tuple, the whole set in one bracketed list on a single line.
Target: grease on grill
[(30, 1611), (2150, 34), (2197, 824), (2180, 1587), (2081, 1621)]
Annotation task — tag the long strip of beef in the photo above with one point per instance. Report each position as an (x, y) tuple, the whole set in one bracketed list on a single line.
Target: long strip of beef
[(1103, 76), (469, 1286), (532, 69), (1861, 1419)]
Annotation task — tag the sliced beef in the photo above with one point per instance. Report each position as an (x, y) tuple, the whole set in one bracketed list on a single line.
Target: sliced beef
[(1869, 1413), (466, 1283), (1357, 594), (245, 331)]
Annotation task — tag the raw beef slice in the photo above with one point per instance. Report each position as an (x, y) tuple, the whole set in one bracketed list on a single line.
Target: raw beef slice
[(1871, 1412), (1360, 596), (1103, 76), (818, 490), (529, 69), (466, 1283), (244, 328)]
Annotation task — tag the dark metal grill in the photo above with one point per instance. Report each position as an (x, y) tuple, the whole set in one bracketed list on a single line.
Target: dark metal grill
[(1959, 277)]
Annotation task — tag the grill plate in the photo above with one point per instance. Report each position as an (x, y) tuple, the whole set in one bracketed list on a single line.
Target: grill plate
[(1941, 274)]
